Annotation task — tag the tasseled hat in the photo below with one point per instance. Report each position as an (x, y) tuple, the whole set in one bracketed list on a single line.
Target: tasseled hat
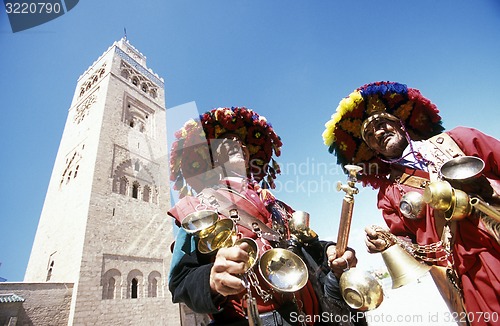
[(191, 162), (344, 132)]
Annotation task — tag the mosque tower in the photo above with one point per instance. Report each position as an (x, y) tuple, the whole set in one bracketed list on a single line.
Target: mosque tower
[(104, 227)]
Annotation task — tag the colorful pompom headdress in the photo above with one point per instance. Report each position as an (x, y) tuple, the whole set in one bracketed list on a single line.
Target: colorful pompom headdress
[(191, 157), (343, 134)]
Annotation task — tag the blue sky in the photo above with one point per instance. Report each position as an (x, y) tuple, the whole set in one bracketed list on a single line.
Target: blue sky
[(291, 61)]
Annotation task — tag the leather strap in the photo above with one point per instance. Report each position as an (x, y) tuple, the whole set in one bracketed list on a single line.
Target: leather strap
[(410, 180), (246, 211), (439, 150)]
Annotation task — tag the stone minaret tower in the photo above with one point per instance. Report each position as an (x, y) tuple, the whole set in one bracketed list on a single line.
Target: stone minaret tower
[(104, 225)]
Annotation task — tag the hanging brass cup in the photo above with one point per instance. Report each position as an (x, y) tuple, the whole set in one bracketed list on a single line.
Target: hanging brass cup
[(299, 226), (222, 235), (412, 205), (461, 206), (361, 290), (462, 169), (439, 195), (299, 222), (253, 251), (200, 223), (283, 270)]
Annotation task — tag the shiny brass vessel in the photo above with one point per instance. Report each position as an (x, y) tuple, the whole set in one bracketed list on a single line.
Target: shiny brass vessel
[(223, 235), (200, 223), (402, 267), (361, 290), (283, 270)]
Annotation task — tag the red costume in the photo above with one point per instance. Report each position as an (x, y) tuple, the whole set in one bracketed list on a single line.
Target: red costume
[(476, 253), (185, 274)]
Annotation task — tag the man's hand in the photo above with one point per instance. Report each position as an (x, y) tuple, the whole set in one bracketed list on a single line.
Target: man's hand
[(373, 242), (338, 265), (229, 264)]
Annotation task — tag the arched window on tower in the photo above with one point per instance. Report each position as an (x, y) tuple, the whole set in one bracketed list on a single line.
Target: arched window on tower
[(135, 282), (146, 194), (135, 190), (133, 288), (124, 74), (123, 185), (110, 290), (154, 279), (154, 288), (111, 284), (135, 81)]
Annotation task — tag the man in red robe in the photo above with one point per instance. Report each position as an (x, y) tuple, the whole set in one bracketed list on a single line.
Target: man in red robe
[(396, 135)]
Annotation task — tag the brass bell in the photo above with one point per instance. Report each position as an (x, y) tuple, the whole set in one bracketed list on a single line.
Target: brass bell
[(402, 267)]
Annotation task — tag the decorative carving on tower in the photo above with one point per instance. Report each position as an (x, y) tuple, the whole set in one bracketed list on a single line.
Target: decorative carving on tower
[(72, 165), (92, 80), (133, 178), (138, 116), (82, 110), (138, 79)]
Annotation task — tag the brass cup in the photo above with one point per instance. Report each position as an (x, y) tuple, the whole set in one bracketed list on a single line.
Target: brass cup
[(283, 270), (299, 222), (462, 169), (412, 205), (200, 223), (223, 235), (461, 207), (439, 195), (361, 290), (253, 251)]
